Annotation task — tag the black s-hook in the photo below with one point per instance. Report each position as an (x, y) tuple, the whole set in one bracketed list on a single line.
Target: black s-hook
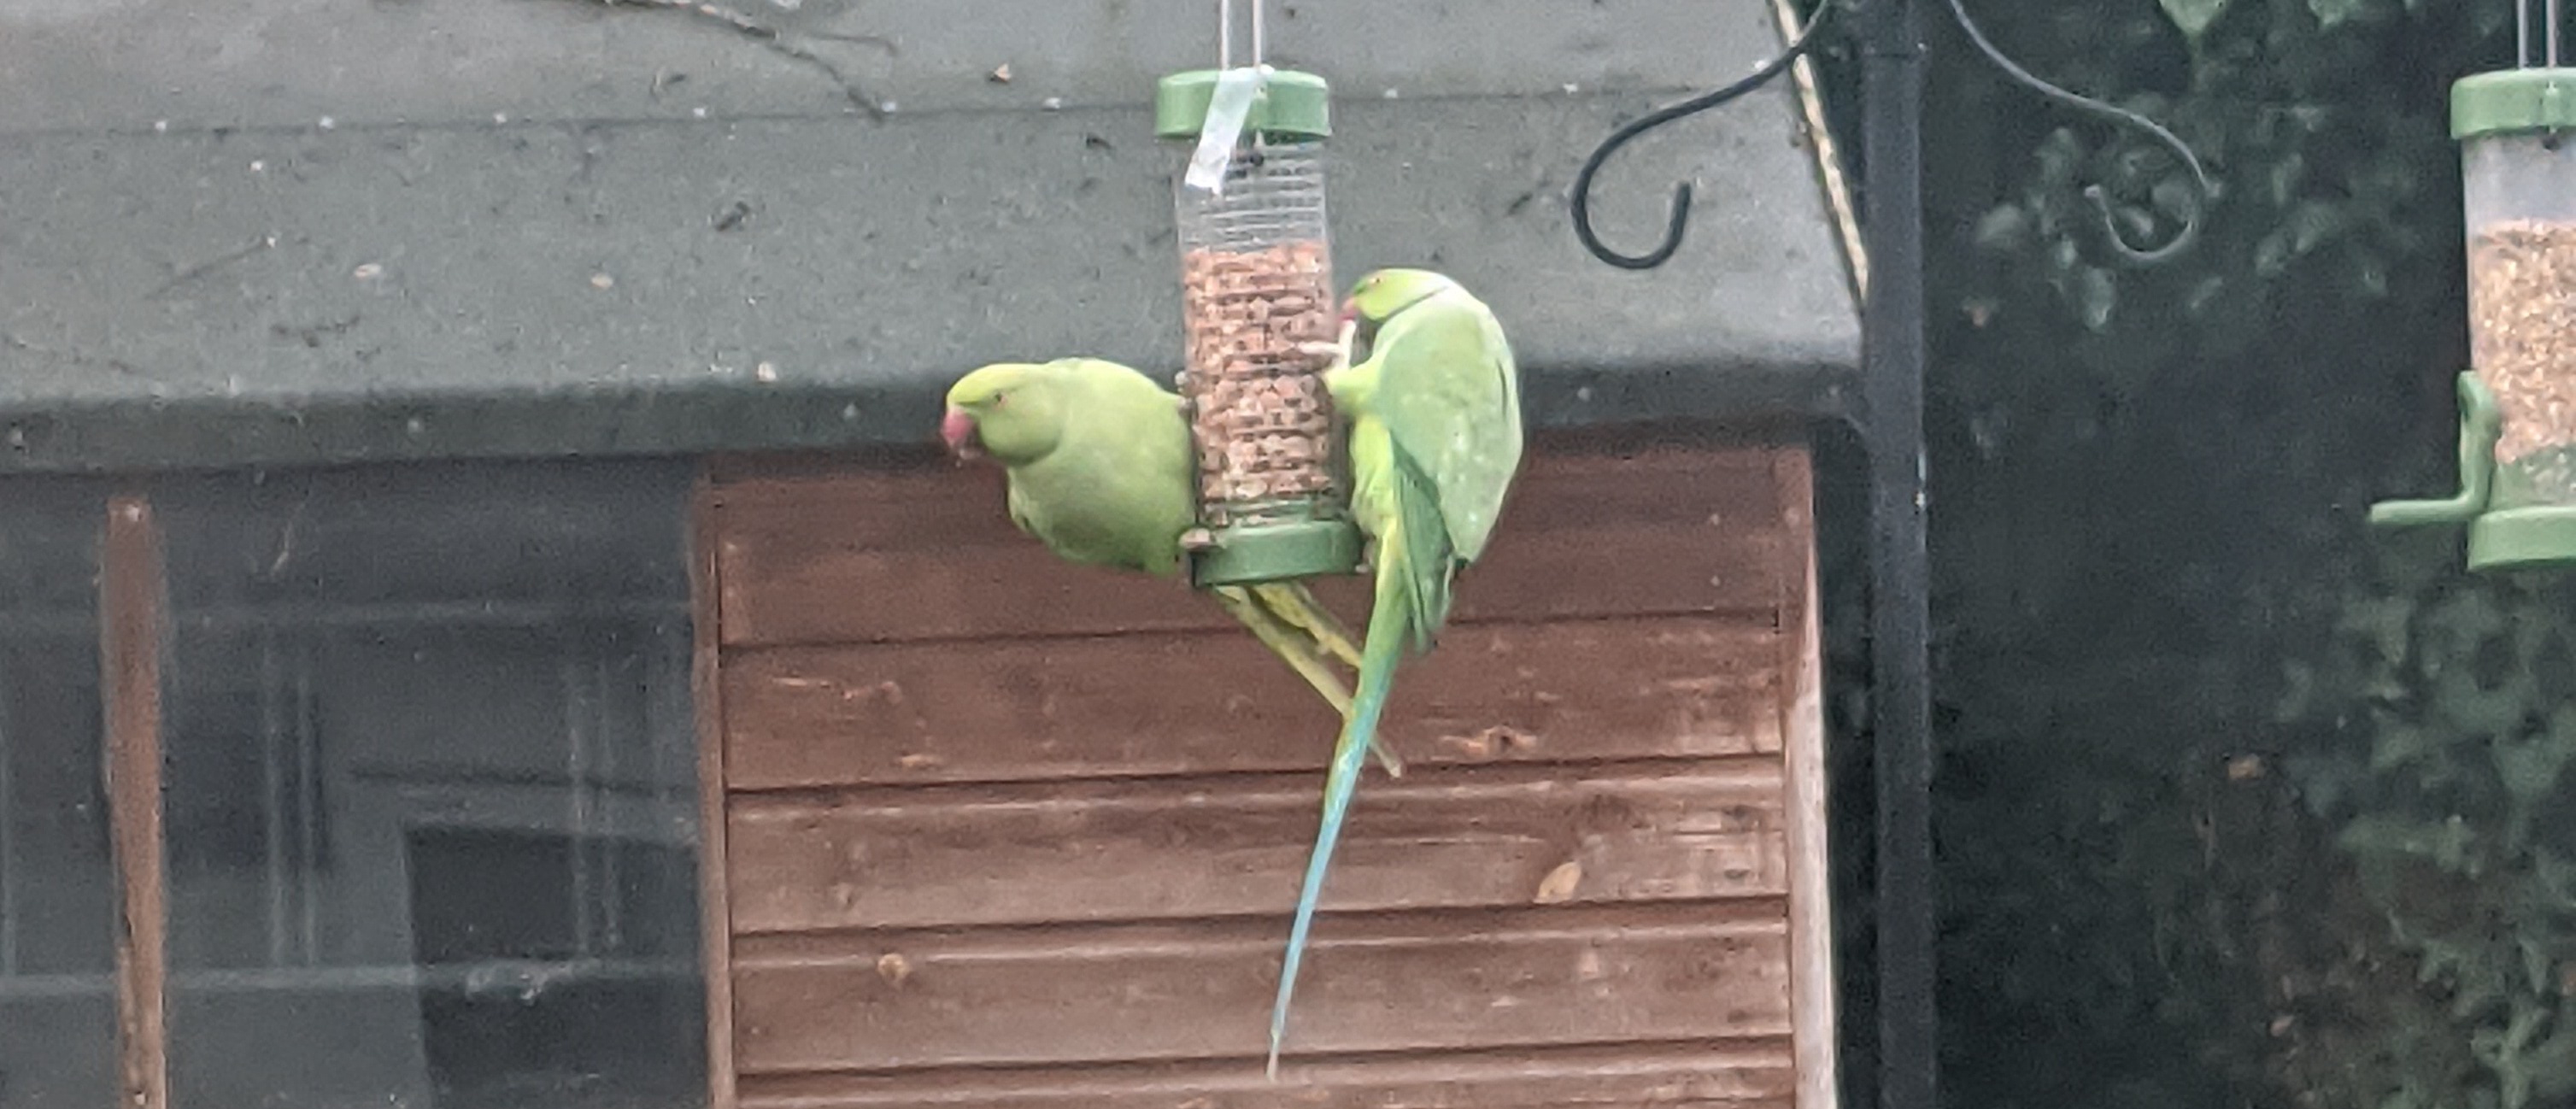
[(1680, 213), (2100, 197), (1679, 218)]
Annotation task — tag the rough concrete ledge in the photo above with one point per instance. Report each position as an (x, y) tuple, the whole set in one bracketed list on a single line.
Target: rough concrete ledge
[(295, 231), (302, 295)]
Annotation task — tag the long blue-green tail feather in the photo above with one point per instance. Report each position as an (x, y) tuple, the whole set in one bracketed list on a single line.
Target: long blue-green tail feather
[(1390, 629)]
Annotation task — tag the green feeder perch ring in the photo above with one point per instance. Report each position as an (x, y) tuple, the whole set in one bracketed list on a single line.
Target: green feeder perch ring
[(1273, 552)]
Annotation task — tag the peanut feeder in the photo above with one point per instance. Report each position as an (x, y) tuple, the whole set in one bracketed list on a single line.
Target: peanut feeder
[(2517, 134), (1258, 309)]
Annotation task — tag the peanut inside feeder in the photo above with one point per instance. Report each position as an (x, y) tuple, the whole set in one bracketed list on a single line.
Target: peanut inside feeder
[(1263, 422), (2522, 308), (1258, 315)]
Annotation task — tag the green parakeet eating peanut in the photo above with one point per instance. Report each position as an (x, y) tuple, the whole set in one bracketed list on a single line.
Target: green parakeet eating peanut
[(1099, 466), (1435, 440)]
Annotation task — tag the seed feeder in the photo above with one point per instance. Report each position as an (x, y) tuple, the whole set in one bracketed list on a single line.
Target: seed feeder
[(1258, 314), (2517, 134)]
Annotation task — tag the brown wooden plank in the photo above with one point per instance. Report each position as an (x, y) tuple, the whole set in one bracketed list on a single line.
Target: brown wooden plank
[(1734, 1074), (911, 554), (132, 624), (706, 685), (1413, 982), (1205, 702), (1802, 727), (1135, 850)]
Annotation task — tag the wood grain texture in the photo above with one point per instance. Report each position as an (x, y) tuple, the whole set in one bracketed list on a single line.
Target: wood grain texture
[(1747, 1074), (872, 557), (1186, 703), (133, 618), (1811, 918), (1002, 833), (1407, 982), (1234, 845), (706, 687)]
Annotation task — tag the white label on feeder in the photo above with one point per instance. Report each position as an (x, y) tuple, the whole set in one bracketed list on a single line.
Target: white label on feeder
[(1228, 107)]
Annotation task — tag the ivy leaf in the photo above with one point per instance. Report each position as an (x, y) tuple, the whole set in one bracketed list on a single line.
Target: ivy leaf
[(2395, 745), (2272, 255), (2313, 222), (2094, 296), (2447, 844), (2285, 177), (2003, 229), (2331, 12), (2174, 196), (2193, 16), (2557, 878), (2203, 294)]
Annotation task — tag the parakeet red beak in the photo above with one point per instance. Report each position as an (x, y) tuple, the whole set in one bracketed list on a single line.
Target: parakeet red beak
[(958, 429)]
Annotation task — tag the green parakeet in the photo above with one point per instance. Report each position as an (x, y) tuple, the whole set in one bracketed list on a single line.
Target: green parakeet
[(1099, 465), (1435, 440)]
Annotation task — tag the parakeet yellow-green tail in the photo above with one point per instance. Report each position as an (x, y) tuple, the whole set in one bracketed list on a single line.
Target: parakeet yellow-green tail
[(1435, 440), (1099, 465)]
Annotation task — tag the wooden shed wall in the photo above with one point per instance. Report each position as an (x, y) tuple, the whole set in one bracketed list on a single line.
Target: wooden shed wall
[(1028, 835)]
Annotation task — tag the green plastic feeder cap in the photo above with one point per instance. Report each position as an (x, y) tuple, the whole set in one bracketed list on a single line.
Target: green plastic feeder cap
[(1292, 105), (1252, 554), (2507, 101), (2506, 531)]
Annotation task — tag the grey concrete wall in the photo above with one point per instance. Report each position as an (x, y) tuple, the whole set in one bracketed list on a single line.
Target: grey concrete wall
[(283, 230)]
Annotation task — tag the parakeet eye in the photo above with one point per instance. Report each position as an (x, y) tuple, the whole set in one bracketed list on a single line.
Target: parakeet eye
[(998, 398)]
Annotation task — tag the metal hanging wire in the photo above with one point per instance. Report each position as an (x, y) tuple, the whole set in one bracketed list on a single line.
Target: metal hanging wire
[(1225, 34), (2549, 31), (1678, 220)]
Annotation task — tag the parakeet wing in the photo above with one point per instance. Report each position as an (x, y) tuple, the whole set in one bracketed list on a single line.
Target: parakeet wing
[(1450, 397)]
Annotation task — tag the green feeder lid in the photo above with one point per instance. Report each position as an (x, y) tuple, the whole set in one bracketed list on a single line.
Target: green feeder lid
[(2509, 100), (1291, 105)]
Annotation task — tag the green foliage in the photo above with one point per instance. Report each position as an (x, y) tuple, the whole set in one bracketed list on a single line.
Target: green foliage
[(2435, 732), (2232, 810)]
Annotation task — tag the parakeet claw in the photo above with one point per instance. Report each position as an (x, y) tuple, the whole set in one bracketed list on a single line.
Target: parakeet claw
[(1197, 539)]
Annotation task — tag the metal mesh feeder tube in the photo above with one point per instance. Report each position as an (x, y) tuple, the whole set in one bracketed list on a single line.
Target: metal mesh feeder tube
[(1259, 322)]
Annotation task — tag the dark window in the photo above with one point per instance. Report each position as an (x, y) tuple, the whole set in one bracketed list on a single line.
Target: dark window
[(58, 887), (431, 794)]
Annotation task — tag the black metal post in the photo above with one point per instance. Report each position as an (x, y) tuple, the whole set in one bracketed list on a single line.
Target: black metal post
[(1892, 357), (1890, 420)]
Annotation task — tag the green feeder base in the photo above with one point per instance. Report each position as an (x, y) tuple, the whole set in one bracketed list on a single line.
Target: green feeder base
[(2506, 531), (2539, 537), (1252, 554)]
